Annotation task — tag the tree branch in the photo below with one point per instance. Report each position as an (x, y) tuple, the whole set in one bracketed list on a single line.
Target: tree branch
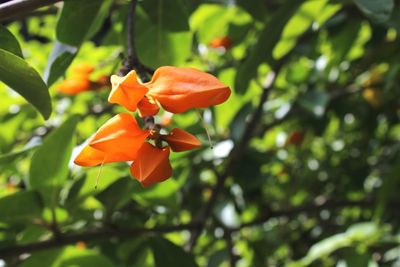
[(15, 8), (132, 60), (106, 233), (67, 239)]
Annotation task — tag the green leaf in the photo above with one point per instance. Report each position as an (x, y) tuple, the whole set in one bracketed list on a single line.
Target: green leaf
[(167, 254), (76, 20), (344, 41), (25, 80), (20, 207), (69, 256), (101, 16), (49, 165), (262, 50), (170, 14), (11, 157), (315, 102), (60, 58), (297, 25), (9, 42), (117, 193), (218, 258), (156, 46), (238, 123), (377, 11)]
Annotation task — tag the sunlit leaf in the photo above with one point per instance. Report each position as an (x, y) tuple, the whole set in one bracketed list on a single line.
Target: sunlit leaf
[(25, 80), (8, 42)]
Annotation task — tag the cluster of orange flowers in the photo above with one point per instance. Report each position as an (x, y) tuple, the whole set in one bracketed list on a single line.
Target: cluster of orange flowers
[(79, 81), (121, 138)]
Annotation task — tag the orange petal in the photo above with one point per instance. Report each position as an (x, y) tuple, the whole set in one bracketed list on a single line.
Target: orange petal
[(179, 140), (83, 68), (90, 156), (180, 89), (152, 165), (147, 107), (74, 86), (127, 91), (120, 137)]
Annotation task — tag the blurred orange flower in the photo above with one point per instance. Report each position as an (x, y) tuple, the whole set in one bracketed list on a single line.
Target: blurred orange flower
[(79, 81), (176, 89), (121, 139), (224, 42)]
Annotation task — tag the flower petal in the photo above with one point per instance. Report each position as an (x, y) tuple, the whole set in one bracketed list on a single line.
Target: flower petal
[(127, 91), (180, 140), (152, 165), (120, 136), (147, 107), (83, 68), (90, 156), (180, 89), (74, 86)]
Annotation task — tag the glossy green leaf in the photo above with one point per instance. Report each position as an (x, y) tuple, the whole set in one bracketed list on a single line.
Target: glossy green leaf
[(156, 46), (378, 11), (20, 207), (172, 15), (167, 254), (75, 21), (103, 12), (60, 58), (25, 80), (9, 42), (262, 50), (49, 165)]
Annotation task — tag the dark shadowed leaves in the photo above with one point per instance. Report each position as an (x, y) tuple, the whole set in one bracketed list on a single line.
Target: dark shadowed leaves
[(167, 254)]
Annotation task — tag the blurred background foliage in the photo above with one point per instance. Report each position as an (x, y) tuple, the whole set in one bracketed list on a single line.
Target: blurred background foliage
[(315, 184)]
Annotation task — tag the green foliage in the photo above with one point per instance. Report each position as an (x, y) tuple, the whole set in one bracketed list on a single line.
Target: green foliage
[(75, 21), (20, 207), (9, 42), (21, 77), (313, 182), (166, 254), (49, 164)]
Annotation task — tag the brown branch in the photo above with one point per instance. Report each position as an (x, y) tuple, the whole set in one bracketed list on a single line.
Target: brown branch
[(99, 234), (15, 8), (106, 233), (132, 60)]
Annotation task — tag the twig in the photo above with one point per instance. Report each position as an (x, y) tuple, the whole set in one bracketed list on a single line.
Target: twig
[(132, 60), (15, 8)]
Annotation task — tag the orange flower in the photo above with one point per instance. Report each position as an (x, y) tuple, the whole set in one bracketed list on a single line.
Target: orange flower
[(176, 89), (121, 139), (224, 42), (79, 81)]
